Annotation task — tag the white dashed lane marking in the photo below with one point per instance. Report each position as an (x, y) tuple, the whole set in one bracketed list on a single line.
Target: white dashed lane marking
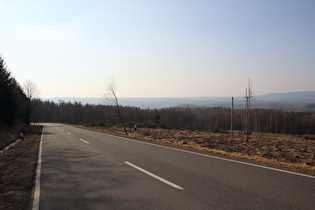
[(84, 141), (155, 176)]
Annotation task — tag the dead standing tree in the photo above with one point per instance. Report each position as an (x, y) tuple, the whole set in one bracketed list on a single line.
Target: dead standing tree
[(248, 96), (232, 119), (111, 96)]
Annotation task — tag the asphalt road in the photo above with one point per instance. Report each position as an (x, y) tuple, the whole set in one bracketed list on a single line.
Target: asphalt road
[(82, 169)]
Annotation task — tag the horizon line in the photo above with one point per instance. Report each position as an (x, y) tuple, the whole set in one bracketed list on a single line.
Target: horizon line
[(167, 97)]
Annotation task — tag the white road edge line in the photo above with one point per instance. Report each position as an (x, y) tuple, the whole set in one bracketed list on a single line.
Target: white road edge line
[(84, 141), (69, 133), (155, 176), (211, 156), (38, 172), (218, 158)]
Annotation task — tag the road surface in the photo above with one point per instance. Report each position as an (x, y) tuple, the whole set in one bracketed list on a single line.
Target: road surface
[(82, 169)]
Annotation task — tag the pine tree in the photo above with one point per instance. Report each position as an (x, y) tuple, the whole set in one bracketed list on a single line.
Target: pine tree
[(7, 99)]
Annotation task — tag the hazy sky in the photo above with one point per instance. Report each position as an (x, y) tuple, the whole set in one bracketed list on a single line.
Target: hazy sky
[(160, 48)]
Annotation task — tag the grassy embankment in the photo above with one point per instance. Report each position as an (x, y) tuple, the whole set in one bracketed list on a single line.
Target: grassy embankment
[(17, 171)]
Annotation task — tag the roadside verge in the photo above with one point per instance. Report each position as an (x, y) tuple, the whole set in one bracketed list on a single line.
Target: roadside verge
[(17, 167)]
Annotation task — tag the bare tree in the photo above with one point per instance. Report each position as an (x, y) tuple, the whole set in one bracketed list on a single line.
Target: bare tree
[(110, 95), (31, 89)]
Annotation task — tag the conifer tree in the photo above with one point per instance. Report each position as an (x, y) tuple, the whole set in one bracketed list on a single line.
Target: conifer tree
[(7, 100)]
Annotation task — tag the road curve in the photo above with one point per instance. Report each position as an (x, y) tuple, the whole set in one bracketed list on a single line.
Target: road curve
[(83, 169)]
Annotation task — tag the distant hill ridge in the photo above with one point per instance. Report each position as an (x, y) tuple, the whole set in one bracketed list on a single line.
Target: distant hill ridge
[(292, 101), (304, 97)]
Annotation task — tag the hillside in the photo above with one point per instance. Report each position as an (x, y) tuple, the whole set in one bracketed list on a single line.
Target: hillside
[(293, 101), (294, 98)]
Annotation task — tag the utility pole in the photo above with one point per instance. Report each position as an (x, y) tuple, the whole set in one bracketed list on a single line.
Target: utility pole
[(248, 96), (232, 115), (246, 119)]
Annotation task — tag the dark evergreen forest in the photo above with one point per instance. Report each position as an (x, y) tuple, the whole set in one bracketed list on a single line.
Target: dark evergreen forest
[(14, 104), (203, 118)]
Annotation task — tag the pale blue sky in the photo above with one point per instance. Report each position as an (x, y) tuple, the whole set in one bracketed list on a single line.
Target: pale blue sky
[(160, 48)]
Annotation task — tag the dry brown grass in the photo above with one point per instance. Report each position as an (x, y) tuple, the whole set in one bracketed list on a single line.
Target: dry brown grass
[(295, 153), (17, 169)]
